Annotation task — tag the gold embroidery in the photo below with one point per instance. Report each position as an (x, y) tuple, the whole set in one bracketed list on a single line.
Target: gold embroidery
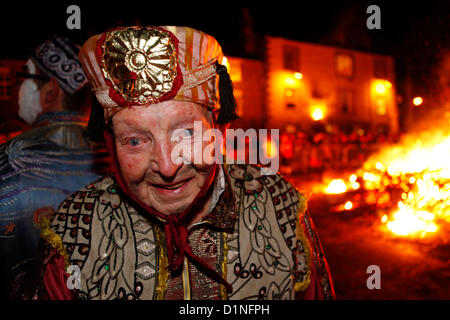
[(163, 266), (53, 239), (223, 289), (194, 78), (186, 280), (301, 286)]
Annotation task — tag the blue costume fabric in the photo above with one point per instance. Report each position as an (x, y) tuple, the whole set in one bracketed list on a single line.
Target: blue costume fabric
[(40, 168)]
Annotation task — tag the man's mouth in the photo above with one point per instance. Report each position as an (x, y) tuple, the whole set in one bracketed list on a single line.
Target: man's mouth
[(172, 186)]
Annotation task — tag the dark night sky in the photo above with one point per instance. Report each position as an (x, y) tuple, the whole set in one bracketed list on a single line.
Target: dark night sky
[(27, 25), (413, 32)]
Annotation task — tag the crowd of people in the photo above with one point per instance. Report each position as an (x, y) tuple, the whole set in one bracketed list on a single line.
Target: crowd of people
[(306, 151)]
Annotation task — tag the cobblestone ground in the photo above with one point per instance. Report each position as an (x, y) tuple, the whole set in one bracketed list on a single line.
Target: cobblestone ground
[(354, 240)]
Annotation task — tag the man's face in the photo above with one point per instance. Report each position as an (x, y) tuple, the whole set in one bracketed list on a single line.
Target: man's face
[(144, 137), (29, 97)]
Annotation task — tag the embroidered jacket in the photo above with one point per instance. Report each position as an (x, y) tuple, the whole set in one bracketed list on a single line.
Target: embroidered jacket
[(40, 168), (259, 237)]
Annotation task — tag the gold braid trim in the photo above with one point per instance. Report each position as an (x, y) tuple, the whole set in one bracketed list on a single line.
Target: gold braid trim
[(223, 289), (301, 286), (163, 266), (53, 239)]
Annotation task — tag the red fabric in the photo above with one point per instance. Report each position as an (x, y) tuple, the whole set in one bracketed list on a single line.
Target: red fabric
[(174, 225), (312, 292), (315, 288), (55, 279)]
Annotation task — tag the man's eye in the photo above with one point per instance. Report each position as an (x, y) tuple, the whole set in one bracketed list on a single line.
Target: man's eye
[(134, 142), (188, 132)]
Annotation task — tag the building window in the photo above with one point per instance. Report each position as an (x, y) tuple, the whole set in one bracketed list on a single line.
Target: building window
[(291, 59), (344, 65), (5, 84), (380, 106), (380, 68), (345, 101), (290, 96), (235, 70)]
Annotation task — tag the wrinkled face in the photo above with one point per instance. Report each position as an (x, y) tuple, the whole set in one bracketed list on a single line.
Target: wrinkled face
[(146, 138)]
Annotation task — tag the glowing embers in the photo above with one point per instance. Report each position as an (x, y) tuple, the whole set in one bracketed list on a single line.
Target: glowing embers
[(408, 221), (336, 186), (409, 182)]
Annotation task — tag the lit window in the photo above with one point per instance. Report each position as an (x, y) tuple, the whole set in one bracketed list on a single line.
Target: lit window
[(290, 96), (317, 112), (380, 106), (344, 65), (235, 70), (417, 101)]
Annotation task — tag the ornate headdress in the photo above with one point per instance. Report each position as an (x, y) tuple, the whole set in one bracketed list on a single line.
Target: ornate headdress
[(58, 58), (144, 65)]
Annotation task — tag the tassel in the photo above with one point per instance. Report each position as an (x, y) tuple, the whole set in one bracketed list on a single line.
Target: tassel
[(228, 107), (96, 124)]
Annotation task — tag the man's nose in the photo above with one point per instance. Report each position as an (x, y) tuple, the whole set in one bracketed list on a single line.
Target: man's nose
[(162, 161)]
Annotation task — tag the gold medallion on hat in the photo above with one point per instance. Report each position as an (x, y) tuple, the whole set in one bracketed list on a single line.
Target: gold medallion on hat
[(140, 63)]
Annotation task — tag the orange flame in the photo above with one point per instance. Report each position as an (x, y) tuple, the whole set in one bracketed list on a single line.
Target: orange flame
[(420, 166)]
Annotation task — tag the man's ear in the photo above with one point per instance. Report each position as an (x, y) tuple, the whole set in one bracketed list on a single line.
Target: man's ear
[(51, 92)]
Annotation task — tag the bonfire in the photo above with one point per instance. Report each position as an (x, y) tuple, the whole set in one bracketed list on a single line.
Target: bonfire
[(411, 180)]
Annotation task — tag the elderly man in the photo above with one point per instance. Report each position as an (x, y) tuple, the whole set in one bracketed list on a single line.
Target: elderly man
[(159, 228), (42, 167)]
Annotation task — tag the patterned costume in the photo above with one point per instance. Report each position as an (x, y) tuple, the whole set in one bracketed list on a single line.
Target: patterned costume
[(257, 240), (259, 236)]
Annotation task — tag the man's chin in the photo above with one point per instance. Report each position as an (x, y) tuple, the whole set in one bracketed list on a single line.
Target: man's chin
[(169, 204), (171, 209)]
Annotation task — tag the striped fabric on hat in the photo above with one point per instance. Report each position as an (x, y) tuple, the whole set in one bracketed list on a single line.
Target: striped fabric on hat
[(196, 54)]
